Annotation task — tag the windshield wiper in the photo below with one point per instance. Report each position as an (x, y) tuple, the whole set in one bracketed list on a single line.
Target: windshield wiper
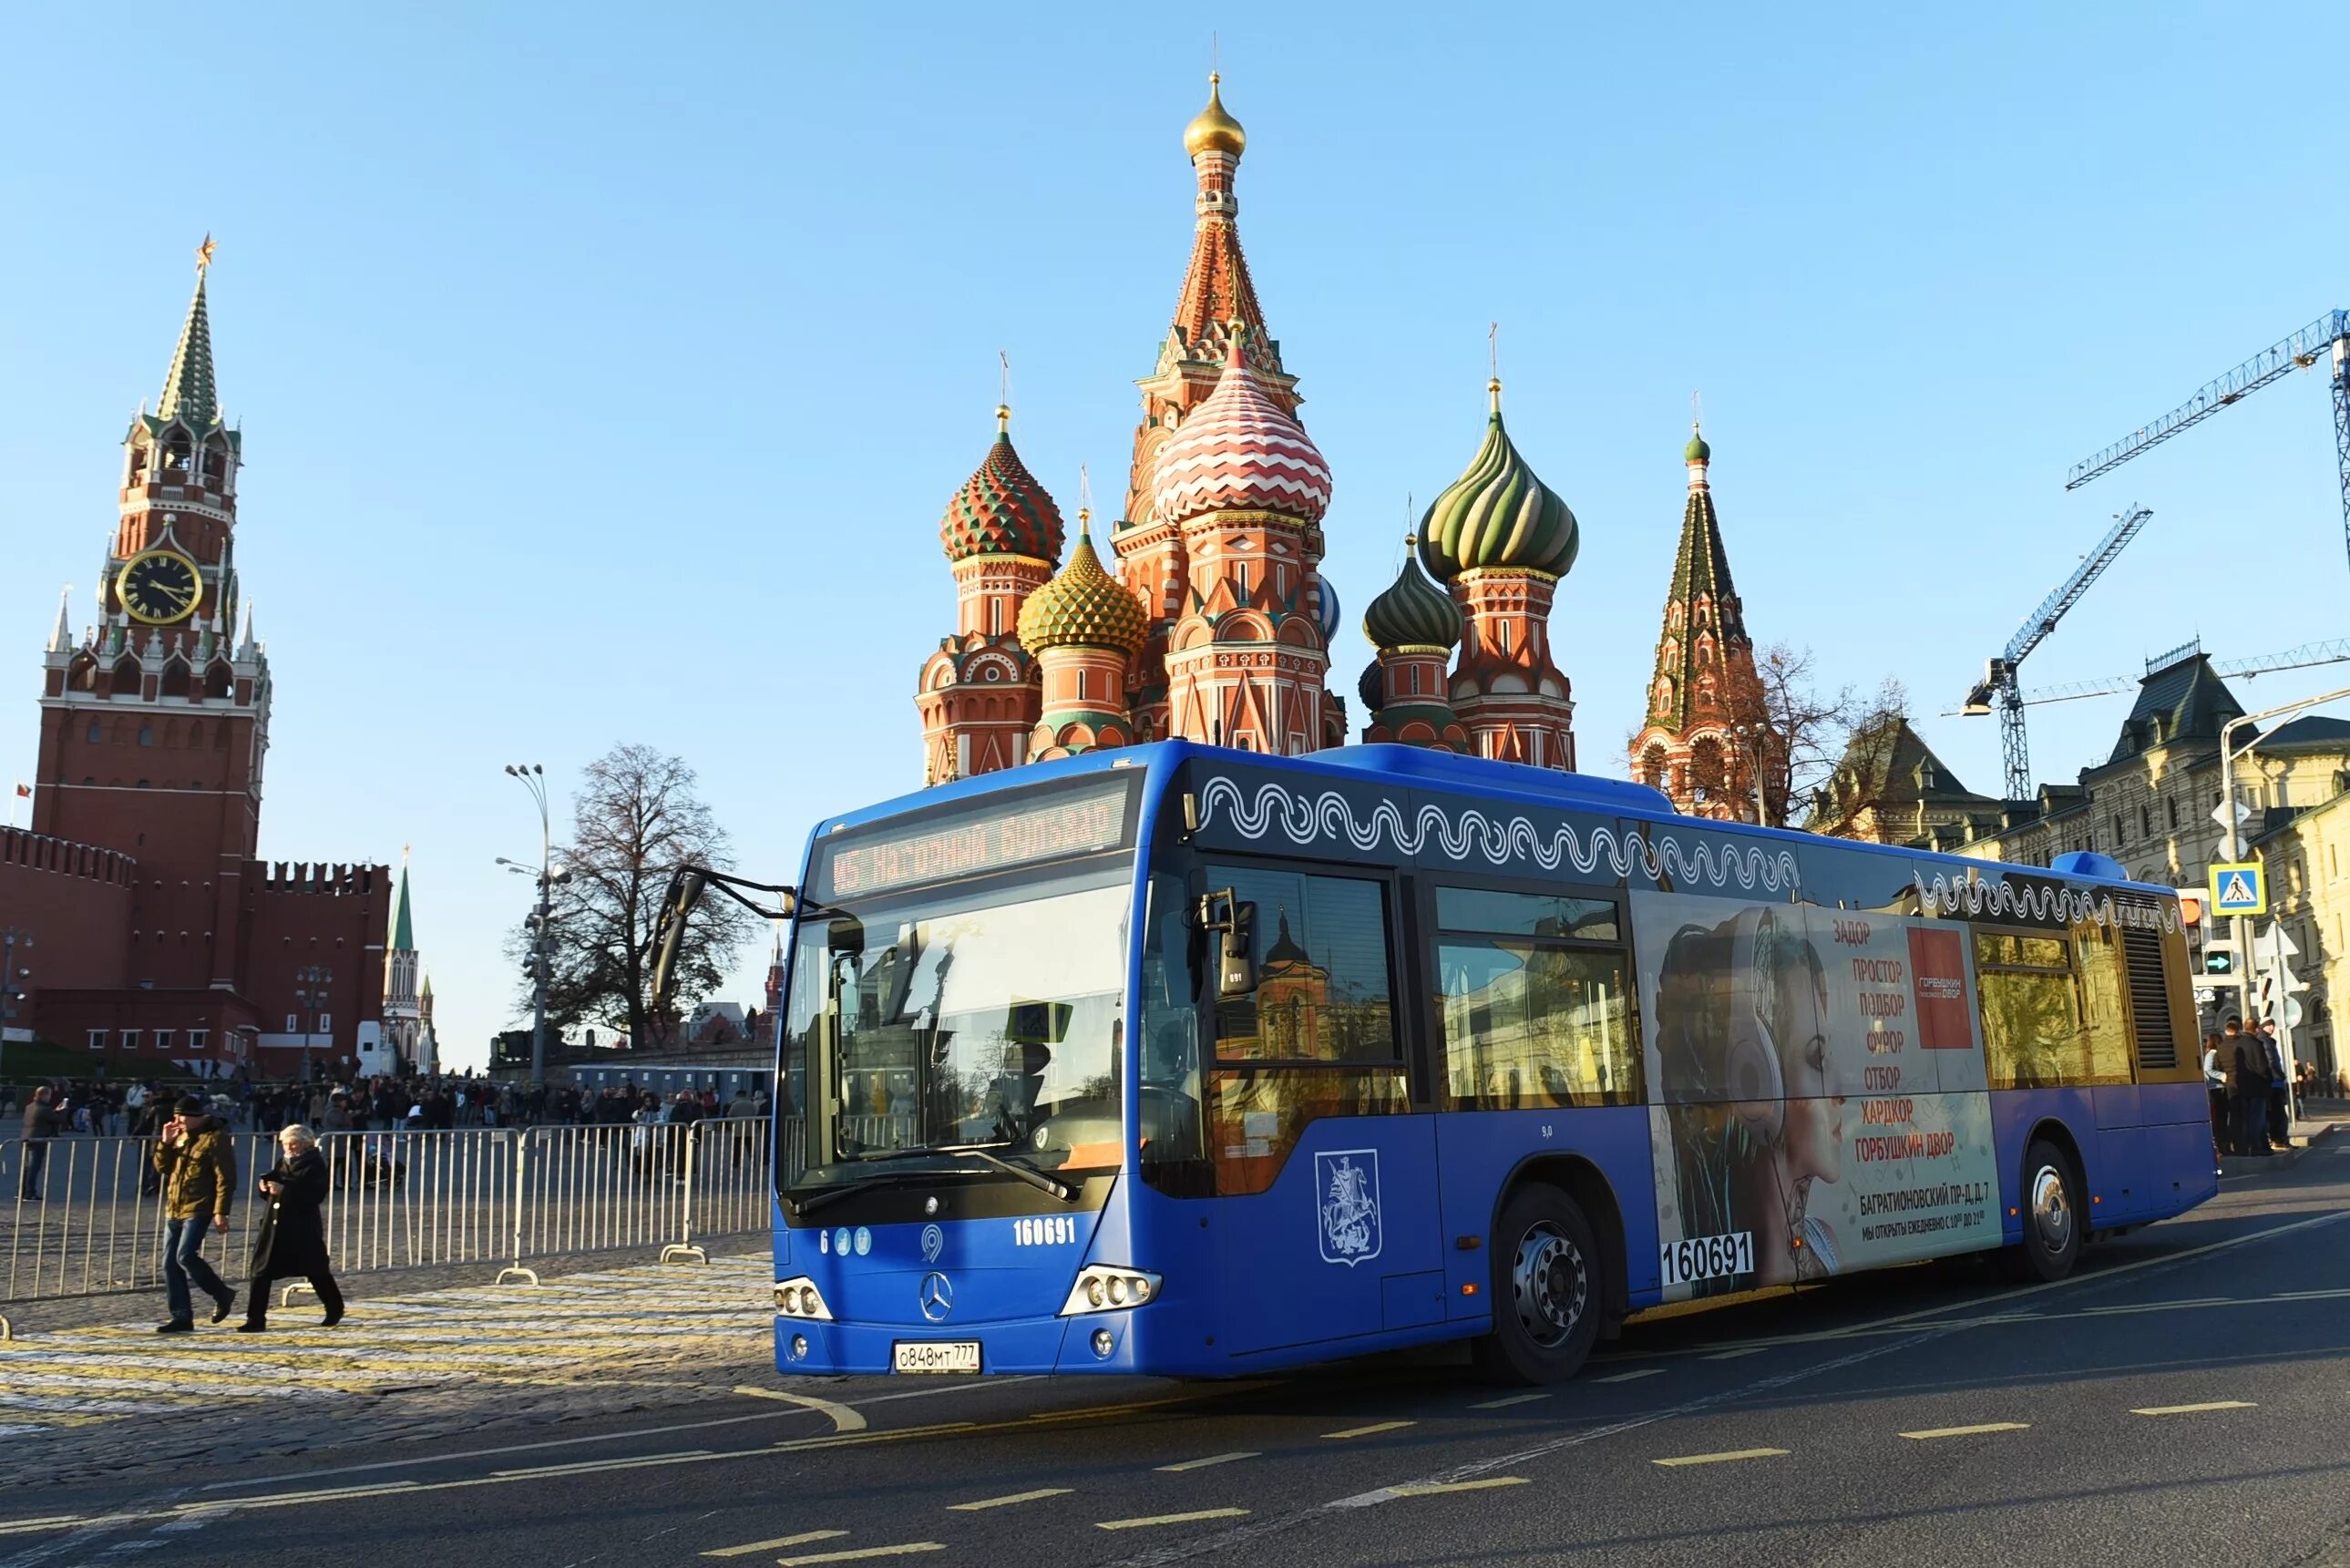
[(1027, 1173)]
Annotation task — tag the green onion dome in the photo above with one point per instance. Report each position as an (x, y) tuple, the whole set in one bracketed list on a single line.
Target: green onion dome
[(1497, 514), (1002, 510), (1370, 688), (1083, 606), (1697, 450), (1413, 612)]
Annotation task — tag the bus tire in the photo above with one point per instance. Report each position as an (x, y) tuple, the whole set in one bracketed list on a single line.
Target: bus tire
[(1546, 1289), (2054, 1220)]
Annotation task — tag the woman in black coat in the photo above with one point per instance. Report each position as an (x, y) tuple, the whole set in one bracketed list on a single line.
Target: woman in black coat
[(291, 1237)]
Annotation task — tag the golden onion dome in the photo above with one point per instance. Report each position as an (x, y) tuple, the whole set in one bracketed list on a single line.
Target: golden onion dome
[(1214, 131), (1083, 606)]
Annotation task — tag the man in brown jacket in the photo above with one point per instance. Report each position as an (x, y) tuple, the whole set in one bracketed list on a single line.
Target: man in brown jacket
[(198, 1164)]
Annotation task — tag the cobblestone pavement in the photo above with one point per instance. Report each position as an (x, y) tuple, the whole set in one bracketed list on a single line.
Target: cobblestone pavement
[(120, 1403)]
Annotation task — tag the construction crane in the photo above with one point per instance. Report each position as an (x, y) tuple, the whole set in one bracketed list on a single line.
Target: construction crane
[(1998, 684), (2301, 657), (2329, 334)]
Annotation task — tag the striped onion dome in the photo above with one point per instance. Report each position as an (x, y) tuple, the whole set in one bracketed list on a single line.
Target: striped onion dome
[(1413, 612), (1328, 619), (1497, 514), (1083, 604), (1238, 452), (1002, 510)]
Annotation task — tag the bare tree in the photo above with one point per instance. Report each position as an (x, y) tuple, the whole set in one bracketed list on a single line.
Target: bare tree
[(636, 819)]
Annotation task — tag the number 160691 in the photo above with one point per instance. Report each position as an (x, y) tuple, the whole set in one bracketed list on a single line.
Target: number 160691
[(1706, 1258)]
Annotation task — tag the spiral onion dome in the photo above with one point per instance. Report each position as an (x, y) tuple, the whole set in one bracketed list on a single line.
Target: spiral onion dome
[(1328, 619), (1083, 604), (1002, 510), (1497, 514), (1238, 452), (1412, 613), (1370, 688)]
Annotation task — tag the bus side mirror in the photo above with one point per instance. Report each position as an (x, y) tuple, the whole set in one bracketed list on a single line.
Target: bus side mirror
[(685, 891), (1234, 922)]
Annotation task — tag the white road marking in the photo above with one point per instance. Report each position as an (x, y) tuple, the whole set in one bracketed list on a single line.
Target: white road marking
[(1629, 1377), (1440, 1489), (987, 1502), (1210, 1459), (1372, 1430), (2193, 1409), (1513, 1399), (1151, 1520)]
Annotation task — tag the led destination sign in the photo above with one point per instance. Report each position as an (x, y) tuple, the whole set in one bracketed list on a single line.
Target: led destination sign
[(1052, 829)]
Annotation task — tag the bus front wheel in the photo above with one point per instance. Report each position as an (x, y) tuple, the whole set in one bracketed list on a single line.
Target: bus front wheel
[(1546, 1289), (2052, 1217)]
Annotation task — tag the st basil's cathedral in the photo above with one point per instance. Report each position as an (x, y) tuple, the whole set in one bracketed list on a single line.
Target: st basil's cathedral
[(1212, 620)]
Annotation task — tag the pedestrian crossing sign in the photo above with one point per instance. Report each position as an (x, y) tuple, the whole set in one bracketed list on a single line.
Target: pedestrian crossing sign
[(2239, 888)]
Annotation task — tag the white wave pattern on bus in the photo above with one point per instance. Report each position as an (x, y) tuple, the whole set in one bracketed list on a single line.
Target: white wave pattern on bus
[(2039, 901), (1304, 819)]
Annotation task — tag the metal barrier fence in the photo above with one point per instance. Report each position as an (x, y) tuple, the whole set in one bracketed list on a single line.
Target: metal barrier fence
[(84, 1216)]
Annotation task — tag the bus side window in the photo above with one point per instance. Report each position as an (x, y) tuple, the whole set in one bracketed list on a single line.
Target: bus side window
[(1316, 1037), (1534, 1001), (2052, 1008)]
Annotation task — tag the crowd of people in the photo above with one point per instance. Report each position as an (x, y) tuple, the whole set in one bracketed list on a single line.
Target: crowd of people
[(2244, 1070)]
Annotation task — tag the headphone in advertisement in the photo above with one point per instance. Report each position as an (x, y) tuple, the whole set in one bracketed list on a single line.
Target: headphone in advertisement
[(1756, 1082)]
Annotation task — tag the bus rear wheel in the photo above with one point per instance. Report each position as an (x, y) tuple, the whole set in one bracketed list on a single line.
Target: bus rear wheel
[(1546, 1289), (2052, 1217)]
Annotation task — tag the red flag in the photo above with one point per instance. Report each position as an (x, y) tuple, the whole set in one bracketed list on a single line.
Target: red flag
[(23, 792)]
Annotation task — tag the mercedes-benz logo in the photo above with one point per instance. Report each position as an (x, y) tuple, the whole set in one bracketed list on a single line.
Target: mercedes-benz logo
[(937, 1297)]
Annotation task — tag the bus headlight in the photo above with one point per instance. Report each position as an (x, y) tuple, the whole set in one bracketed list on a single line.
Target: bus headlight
[(1103, 1287), (799, 1298)]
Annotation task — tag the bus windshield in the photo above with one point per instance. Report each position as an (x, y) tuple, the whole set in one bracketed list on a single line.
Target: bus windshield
[(981, 1021)]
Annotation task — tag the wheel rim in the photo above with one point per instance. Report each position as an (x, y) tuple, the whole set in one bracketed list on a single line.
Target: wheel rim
[(2052, 1208), (1550, 1285)]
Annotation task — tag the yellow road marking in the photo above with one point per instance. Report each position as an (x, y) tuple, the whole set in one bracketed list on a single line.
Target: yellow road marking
[(1210, 1459), (800, 1540), (1196, 1514), (844, 1419), (1435, 1489), (850, 1440), (862, 1554), (1720, 1458), (1933, 1432), (588, 1467), (1372, 1430), (1629, 1377), (1513, 1399), (2191, 1410), (1040, 1493)]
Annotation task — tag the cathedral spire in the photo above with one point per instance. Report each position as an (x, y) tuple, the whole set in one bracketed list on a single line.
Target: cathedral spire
[(61, 640), (189, 394)]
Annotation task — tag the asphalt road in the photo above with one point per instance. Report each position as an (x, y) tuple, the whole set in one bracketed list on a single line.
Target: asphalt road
[(2184, 1399)]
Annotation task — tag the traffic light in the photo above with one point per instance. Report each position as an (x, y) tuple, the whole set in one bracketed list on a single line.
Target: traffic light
[(2217, 959)]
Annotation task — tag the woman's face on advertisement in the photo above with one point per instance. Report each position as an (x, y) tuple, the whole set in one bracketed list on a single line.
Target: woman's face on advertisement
[(1814, 1106)]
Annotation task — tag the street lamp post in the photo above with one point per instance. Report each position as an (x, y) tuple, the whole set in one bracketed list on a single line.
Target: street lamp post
[(533, 779), (2228, 751), (310, 993)]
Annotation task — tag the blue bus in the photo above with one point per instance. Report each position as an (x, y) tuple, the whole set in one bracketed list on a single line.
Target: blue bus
[(1187, 1061)]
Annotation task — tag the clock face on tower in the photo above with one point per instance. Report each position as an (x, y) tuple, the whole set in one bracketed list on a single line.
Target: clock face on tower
[(159, 587)]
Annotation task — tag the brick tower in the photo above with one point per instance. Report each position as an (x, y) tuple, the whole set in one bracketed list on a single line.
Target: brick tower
[(155, 724), (978, 696), (1217, 292), (1707, 729), (1500, 540)]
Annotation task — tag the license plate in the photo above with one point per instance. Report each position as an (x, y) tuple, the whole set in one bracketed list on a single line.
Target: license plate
[(937, 1356)]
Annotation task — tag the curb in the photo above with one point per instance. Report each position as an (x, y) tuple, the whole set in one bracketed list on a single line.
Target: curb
[(2253, 1165)]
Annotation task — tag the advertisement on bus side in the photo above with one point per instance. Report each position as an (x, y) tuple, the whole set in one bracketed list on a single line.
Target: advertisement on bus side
[(1817, 1101)]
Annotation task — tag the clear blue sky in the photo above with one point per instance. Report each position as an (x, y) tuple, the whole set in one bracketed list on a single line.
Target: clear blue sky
[(604, 373)]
